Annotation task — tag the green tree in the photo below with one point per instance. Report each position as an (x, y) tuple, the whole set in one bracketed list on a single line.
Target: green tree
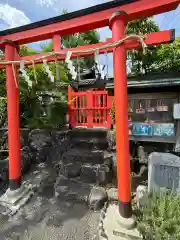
[(140, 63), (161, 58), (38, 103), (168, 57)]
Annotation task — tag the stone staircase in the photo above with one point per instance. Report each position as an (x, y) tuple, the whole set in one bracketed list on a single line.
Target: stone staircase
[(86, 164)]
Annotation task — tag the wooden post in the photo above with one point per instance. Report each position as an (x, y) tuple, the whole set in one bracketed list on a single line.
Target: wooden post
[(69, 106), (90, 108), (118, 26), (56, 43), (13, 119)]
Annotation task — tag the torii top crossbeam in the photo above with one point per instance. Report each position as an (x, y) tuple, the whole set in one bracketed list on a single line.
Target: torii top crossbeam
[(86, 19)]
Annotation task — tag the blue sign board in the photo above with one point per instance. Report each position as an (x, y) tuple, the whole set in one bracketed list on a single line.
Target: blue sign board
[(163, 129), (142, 129)]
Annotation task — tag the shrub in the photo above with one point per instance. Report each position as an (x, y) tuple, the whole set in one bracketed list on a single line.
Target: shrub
[(159, 217)]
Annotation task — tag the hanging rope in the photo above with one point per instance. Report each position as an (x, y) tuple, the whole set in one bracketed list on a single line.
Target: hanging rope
[(14, 74), (90, 50), (68, 60)]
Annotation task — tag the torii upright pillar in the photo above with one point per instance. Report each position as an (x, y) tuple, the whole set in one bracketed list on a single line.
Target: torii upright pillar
[(13, 118), (118, 27), (17, 194)]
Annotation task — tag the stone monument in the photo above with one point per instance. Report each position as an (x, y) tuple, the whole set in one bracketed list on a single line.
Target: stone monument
[(163, 172)]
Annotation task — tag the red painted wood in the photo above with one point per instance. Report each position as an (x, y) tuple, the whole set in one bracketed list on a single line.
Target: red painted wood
[(13, 116), (90, 109), (109, 106), (139, 9), (151, 39), (69, 117), (118, 24), (56, 43)]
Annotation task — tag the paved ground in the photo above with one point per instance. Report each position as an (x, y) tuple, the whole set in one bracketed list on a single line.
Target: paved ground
[(47, 217)]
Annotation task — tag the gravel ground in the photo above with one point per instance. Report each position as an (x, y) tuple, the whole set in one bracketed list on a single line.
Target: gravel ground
[(46, 217)]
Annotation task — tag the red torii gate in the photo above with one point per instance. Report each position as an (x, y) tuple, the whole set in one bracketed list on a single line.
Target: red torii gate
[(115, 14)]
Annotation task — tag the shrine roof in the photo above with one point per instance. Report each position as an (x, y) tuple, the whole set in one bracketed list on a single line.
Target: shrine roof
[(150, 80), (68, 16)]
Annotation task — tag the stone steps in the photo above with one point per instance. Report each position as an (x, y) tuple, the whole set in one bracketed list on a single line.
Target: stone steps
[(72, 189), (84, 156), (89, 134), (87, 172), (91, 166), (90, 144), (84, 167), (85, 164)]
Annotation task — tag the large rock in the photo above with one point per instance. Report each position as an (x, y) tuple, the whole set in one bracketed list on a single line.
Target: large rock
[(71, 170), (43, 154), (104, 174), (47, 145), (39, 139), (4, 141), (26, 159), (89, 173), (98, 173), (97, 198), (61, 139)]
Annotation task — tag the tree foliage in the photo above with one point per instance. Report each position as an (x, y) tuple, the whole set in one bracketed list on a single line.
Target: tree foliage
[(140, 63), (168, 57), (161, 58)]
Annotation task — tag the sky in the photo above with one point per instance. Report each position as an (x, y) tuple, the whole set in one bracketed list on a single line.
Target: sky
[(14, 13)]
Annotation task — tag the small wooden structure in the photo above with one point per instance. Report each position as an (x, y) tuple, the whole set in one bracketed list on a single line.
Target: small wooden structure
[(89, 109)]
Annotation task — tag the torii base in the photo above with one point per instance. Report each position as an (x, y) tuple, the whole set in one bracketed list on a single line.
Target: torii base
[(117, 228), (12, 201)]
